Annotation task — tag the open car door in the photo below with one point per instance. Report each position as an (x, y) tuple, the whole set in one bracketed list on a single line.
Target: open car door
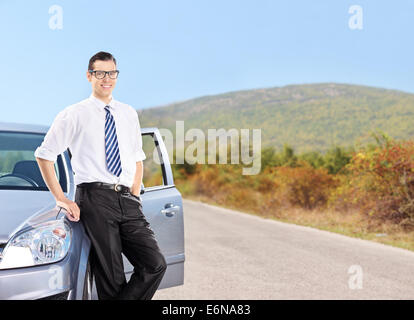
[(163, 208)]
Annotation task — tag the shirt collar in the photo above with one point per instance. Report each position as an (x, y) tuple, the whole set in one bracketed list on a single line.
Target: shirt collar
[(100, 104)]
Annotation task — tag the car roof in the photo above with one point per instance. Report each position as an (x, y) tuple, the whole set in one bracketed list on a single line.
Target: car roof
[(23, 127), (37, 128)]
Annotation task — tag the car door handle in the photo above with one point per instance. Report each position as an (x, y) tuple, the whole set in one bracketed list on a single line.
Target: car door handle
[(170, 209)]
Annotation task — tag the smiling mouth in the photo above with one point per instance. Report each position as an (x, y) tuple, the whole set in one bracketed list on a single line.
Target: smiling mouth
[(106, 86)]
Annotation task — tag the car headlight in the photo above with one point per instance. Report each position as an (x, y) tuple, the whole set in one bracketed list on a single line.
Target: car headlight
[(44, 243)]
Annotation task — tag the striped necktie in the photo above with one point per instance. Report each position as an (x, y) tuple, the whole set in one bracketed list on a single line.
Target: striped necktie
[(113, 159)]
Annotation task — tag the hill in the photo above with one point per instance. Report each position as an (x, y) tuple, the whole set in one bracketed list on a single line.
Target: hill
[(307, 117)]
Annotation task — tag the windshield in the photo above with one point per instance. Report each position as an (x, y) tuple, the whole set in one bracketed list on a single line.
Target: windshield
[(18, 167)]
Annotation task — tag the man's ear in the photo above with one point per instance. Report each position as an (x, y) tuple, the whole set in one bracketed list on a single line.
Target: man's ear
[(88, 76)]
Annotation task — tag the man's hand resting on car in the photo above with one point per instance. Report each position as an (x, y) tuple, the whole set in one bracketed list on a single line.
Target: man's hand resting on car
[(48, 173), (71, 207)]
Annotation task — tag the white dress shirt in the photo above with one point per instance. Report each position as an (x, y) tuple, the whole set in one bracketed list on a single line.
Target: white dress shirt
[(81, 128)]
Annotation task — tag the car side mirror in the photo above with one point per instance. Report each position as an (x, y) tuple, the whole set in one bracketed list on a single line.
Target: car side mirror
[(142, 189)]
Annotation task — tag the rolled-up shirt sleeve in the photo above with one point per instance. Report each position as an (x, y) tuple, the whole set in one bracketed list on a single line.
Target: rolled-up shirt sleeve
[(58, 138), (139, 153)]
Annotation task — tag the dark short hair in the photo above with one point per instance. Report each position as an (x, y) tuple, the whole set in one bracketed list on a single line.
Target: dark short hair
[(104, 56)]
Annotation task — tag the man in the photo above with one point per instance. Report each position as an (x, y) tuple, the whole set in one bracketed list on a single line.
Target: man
[(104, 138)]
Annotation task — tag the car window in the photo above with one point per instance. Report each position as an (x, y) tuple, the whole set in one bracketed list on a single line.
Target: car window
[(153, 169), (18, 166)]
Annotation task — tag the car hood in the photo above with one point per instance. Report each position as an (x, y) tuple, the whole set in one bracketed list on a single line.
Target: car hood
[(22, 208)]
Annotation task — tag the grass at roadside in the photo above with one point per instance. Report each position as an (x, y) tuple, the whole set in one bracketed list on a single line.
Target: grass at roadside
[(350, 224), (366, 193)]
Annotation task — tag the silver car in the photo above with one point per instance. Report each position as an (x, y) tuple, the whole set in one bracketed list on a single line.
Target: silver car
[(43, 255)]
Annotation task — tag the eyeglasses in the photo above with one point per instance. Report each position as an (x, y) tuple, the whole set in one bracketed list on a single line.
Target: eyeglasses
[(102, 74)]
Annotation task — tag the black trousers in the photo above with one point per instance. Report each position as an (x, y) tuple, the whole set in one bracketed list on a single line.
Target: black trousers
[(115, 223)]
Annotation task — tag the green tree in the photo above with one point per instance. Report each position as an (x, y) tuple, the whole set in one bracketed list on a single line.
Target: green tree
[(335, 159)]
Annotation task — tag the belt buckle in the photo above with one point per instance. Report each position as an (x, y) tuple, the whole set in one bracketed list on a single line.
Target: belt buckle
[(117, 187)]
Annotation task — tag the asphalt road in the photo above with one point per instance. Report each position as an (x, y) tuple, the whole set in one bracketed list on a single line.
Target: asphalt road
[(232, 255)]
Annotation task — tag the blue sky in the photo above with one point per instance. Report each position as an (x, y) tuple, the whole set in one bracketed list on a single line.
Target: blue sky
[(169, 51)]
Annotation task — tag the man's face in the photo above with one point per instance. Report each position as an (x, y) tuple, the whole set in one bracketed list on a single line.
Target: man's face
[(102, 88)]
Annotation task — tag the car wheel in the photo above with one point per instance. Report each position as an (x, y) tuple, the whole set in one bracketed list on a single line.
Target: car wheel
[(87, 283)]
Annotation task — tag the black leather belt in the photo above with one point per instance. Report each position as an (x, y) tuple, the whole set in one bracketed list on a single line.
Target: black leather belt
[(103, 185)]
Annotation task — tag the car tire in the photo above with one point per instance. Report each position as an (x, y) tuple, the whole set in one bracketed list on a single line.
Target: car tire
[(87, 283)]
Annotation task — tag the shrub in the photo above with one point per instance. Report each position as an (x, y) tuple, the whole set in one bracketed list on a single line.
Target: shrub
[(305, 186), (380, 182)]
